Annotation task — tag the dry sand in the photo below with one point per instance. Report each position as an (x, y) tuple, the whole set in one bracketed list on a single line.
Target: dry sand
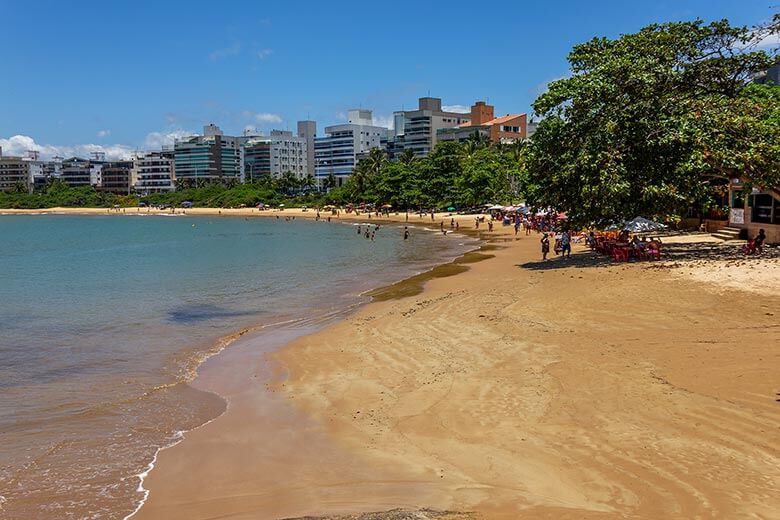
[(516, 389)]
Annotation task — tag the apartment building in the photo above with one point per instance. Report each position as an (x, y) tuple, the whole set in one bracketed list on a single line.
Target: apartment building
[(212, 157), (337, 152), (308, 131), (154, 172), (505, 129), (417, 130), (274, 155), (15, 174), (116, 177), (76, 172)]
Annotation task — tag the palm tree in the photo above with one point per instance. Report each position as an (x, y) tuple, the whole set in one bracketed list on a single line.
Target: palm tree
[(308, 182), (376, 161), (476, 141), (407, 157), (360, 176), (288, 182), (330, 182)]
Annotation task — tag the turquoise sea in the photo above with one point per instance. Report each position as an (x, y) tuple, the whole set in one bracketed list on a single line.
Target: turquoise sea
[(105, 319)]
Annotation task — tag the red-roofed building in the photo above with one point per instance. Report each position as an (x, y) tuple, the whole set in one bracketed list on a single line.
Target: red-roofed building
[(505, 129)]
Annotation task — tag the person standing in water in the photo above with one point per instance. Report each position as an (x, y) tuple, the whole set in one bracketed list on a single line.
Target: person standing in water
[(406, 233)]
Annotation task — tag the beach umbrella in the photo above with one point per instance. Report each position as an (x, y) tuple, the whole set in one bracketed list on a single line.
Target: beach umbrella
[(643, 225), (496, 207), (451, 208)]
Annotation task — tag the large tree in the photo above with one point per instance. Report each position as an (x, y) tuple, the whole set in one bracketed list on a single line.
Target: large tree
[(652, 122)]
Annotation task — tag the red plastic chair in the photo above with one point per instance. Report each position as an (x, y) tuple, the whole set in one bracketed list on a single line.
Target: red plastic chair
[(654, 253), (620, 254)]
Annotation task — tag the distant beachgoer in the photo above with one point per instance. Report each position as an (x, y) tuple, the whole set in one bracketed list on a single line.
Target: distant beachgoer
[(545, 246), (441, 225), (476, 222), (760, 238), (358, 230), (328, 219), (433, 215), (756, 245), (457, 225), (406, 233), (565, 245), (490, 225), (517, 227), (452, 222), (591, 240)]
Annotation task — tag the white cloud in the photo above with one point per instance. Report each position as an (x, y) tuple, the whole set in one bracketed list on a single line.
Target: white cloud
[(769, 42), (264, 53), (19, 145), (460, 109), (104, 133), (341, 116), (218, 54), (266, 117), (384, 121), (156, 140)]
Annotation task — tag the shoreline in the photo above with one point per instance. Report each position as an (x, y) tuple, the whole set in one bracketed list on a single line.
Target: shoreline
[(347, 401), (365, 297)]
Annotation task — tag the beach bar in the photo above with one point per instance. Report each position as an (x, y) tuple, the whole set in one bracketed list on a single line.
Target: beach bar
[(752, 209)]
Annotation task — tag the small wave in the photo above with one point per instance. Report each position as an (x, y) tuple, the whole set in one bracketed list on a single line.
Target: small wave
[(176, 439)]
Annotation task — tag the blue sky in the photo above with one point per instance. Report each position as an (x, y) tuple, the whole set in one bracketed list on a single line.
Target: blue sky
[(130, 74)]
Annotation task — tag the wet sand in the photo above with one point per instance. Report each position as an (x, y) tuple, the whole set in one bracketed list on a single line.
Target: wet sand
[(514, 389)]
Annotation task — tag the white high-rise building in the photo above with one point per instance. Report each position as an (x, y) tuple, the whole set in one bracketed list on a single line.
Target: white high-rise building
[(337, 152), (153, 172), (275, 155)]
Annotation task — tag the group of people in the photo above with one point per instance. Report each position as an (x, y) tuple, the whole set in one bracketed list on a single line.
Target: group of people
[(562, 244), (369, 232)]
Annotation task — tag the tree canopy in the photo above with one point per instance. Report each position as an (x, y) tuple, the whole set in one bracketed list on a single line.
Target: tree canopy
[(652, 122)]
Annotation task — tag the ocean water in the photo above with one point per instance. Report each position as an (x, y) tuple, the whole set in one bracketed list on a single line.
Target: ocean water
[(105, 320)]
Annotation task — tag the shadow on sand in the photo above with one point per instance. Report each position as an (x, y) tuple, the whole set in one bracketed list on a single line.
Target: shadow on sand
[(671, 254)]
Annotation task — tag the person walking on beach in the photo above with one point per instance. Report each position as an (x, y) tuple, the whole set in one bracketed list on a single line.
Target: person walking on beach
[(565, 244), (545, 246), (490, 225), (441, 226)]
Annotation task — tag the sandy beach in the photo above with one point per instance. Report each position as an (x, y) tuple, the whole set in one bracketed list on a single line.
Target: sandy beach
[(504, 387)]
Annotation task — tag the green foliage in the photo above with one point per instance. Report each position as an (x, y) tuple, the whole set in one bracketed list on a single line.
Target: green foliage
[(653, 122), (452, 174)]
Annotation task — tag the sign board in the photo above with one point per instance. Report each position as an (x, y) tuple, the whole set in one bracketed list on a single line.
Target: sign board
[(737, 216)]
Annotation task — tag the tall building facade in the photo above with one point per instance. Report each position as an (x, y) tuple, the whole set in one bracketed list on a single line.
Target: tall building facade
[(15, 174), (116, 177), (308, 131), (336, 153), (420, 126), (212, 157), (154, 172), (275, 155), (76, 172)]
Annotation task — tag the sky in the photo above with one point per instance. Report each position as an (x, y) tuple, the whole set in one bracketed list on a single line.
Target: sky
[(120, 76)]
